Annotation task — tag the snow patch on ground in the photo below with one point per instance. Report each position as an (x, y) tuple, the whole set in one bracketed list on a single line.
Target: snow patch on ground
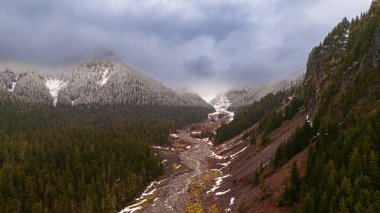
[(207, 140), (242, 150), (133, 208), (232, 156), (160, 147), (216, 156), (218, 182), (222, 193), (104, 78), (309, 120), (54, 86), (150, 190), (225, 164), (231, 203), (173, 136)]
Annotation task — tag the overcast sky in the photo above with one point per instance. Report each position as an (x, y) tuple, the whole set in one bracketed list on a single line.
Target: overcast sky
[(207, 45)]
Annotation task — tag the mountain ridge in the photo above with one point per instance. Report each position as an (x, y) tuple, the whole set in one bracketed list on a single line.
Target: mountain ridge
[(100, 80)]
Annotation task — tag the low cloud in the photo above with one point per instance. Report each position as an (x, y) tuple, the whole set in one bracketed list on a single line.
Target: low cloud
[(177, 41)]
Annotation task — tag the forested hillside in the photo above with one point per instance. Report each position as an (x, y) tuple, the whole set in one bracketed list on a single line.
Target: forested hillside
[(343, 164), (244, 96), (246, 116), (340, 98), (77, 160)]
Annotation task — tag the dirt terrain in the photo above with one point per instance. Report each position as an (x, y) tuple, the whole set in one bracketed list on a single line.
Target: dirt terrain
[(276, 183), (238, 159)]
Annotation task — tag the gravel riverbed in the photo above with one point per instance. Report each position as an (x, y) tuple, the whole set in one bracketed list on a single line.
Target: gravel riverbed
[(173, 196)]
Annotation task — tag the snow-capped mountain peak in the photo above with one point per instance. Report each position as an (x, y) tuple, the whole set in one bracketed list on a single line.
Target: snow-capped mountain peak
[(101, 81)]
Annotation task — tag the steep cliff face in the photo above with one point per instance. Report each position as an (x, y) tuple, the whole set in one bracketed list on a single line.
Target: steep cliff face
[(372, 57), (324, 58), (348, 51)]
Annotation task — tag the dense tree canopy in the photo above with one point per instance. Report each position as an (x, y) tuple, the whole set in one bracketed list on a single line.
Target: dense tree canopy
[(246, 116), (79, 159)]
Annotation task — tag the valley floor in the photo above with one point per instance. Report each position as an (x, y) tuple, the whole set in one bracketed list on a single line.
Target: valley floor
[(201, 177), (184, 160), (174, 196)]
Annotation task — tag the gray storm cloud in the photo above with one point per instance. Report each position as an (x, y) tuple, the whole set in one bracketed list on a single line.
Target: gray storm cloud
[(178, 41), (202, 66)]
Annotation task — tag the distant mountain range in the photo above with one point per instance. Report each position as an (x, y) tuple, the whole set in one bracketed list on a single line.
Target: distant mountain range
[(104, 80)]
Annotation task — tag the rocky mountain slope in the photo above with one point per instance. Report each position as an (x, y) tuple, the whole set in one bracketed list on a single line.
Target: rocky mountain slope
[(316, 148), (101, 81)]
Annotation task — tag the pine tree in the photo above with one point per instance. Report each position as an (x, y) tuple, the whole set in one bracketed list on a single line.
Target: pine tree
[(324, 203), (291, 190), (374, 171), (355, 163), (265, 139), (295, 179)]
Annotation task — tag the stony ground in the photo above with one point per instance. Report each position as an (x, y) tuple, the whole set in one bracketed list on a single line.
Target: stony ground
[(173, 196)]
